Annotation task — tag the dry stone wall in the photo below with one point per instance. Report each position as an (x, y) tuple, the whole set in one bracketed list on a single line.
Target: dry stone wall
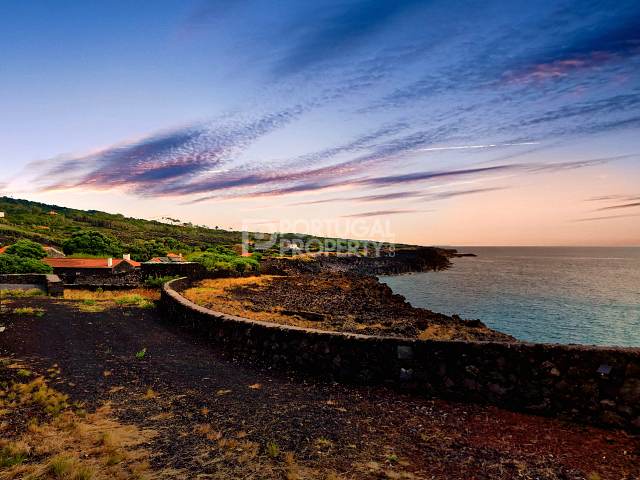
[(588, 384)]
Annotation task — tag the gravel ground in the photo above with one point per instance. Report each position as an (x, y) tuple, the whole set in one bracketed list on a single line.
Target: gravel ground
[(223, 417)]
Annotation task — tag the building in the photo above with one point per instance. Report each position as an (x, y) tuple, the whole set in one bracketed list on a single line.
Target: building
[(1, 214), (170, 258), (95, 270)]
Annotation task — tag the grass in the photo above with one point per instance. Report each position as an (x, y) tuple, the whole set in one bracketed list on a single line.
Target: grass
[(157, 282), (60, 467), (141, 354), (111, 295), (12, 454), (29, 311), (53, 441), (272, 449), (31, 292), (99, 300)]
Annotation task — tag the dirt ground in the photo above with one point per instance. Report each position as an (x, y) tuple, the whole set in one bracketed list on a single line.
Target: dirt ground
[(334, 301), (192, 411)]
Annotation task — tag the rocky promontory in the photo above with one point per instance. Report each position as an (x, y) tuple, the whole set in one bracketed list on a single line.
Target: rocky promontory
[(399, 261)]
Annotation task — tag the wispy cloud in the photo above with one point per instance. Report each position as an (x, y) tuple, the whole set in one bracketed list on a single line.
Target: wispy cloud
[(416, 194), (621, 206), (336, 34), (607, 217), (380, 213)]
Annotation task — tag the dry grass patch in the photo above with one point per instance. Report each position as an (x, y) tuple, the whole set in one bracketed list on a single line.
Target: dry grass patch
[(29, 311), (58, 441), (97, 301), (214, 294), (30, 292)]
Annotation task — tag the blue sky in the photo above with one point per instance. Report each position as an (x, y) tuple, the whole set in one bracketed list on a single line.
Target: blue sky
[(448, 122)]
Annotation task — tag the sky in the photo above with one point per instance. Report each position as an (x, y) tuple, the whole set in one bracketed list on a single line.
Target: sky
[(427, 122)]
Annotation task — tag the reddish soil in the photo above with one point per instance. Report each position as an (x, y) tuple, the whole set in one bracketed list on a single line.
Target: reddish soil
[(332, 431)]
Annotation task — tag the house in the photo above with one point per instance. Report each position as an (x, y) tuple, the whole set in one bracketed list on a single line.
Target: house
[(52, 213), (87, 270), (1, 214), (170, 258), (4, 249)]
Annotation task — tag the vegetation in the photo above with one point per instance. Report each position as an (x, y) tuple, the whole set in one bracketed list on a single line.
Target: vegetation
[(158, 281), (15, 264), (56, 439), (223, 260), (31, 311), (143, 239), (141, 354), (99, 300), (92, 242), (27, 249)]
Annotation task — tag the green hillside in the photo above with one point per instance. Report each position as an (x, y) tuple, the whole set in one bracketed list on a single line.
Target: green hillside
[(52, 225), (37, 221)]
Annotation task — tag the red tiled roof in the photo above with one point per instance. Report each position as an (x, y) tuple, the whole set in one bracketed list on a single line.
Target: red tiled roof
[(170, 254), (3, 249), (85, 262)]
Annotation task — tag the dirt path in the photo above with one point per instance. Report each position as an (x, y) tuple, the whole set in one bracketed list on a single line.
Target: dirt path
[(222, 417)]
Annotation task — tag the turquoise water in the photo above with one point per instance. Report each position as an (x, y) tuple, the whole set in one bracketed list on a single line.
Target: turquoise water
[(551, 295)]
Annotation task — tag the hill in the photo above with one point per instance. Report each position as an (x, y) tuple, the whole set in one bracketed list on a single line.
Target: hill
[(52, 225)]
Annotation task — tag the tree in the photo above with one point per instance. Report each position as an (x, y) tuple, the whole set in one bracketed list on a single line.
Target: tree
[(27, 249), (15, 264), (90, 242), (221, 259)]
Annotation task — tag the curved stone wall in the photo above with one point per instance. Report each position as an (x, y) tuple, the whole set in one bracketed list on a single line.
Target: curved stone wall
[(590, 384)]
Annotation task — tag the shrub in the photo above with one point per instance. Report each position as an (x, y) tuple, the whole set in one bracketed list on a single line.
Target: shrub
[(223, 260), (27, 249), (158, 281), (15, 264), (90, 242)]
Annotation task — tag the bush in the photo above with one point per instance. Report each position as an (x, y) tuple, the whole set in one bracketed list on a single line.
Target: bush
[(15, 264), (157, 282), (223, 260), (27, 249), (90, 242)]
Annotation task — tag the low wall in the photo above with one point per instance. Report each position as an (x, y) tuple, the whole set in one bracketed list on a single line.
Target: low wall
[(51, 284), (98, 277), (589, 384), (187, 269)]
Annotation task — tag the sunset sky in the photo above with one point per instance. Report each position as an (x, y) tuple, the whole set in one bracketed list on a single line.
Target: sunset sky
[(430, 122)]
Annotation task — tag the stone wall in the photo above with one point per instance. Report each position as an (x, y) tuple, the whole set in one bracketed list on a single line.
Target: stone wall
[(51, 284), (588, 384), (186, 269), (97, 277)]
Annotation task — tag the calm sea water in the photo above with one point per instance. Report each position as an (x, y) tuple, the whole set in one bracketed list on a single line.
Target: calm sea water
[(539, 294)]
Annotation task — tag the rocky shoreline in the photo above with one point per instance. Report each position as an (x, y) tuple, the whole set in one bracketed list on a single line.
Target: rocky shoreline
[(342, 293), (334, 301), (402, 260)]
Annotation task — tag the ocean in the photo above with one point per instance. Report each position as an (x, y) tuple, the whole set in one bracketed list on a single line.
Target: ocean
[(584, 295)]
